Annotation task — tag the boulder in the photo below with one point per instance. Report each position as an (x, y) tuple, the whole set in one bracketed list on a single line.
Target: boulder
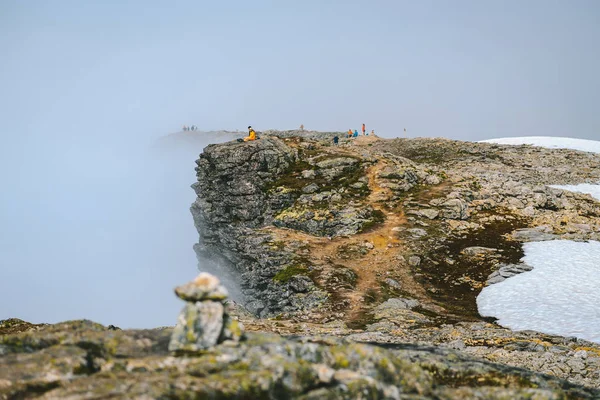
[(204, 321), (506, 271), (204, 287), (455, 209)]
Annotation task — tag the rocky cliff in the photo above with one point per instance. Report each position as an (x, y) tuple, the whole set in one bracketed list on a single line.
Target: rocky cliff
[(392, 240), (298, 218)]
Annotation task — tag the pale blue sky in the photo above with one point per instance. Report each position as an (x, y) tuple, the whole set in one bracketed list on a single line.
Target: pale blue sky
[(461, 69), (92, 225)]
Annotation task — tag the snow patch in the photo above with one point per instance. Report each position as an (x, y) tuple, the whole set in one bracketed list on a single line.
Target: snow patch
[(593, 190), (592, 146), (560, 296)]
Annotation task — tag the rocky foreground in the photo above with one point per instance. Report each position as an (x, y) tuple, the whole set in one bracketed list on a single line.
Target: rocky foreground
[(359, 266), (84, 360)]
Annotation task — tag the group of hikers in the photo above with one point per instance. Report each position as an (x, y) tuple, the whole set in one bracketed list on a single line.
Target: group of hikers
[(364, 132), (190, 128), (252, 134), (354, 134)]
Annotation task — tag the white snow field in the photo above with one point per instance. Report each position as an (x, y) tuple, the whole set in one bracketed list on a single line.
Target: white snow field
[(560, 296), (593, 190), (592, 146)]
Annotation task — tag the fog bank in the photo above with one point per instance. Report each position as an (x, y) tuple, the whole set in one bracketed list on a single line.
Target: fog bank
[(101, 232)]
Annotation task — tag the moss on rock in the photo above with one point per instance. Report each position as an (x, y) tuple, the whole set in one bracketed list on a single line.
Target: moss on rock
[(284, 275)]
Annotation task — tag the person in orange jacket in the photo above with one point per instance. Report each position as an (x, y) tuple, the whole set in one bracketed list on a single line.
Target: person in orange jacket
[(349, 133), (364, 128), (251, 135)]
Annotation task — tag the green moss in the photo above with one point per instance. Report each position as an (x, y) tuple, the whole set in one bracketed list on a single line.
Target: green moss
[(290, 271), (291, 178), (455, 285), (277, 245), (292, 181), (111, 345), (235, 328), (340, 360), (475, 186)]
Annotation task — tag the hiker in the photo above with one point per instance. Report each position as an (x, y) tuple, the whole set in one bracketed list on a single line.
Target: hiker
[(364, 128), (372, 132), (349, 133), (251, 135), (355, 133), (336, 139)]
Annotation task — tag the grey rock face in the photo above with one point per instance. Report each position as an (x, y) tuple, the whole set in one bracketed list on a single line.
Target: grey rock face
[(455, 209), (429, 213), (398, 304), (475, 251), (310, 188), (393, 283), (198, 328), (308, 174), (532, 235), (414, 261), (243, 187), (506, 271), (417, 232), (233, 199)]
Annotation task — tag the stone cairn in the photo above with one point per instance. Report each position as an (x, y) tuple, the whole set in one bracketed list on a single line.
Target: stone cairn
[(204, 321)]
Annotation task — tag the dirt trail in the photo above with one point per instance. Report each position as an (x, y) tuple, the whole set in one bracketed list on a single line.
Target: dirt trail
[(382, 261)]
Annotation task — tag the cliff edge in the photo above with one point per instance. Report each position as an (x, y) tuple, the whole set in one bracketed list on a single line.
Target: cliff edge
[(391, 240)]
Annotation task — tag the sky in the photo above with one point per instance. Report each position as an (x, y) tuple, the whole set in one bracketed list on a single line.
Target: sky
[(467, 70), (95, 224)]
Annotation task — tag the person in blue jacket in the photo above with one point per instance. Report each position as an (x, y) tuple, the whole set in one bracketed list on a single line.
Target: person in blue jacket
[(355, 133)]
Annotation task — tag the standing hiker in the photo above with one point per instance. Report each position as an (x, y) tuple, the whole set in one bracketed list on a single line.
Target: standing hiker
[(336, 139), (364, 128)]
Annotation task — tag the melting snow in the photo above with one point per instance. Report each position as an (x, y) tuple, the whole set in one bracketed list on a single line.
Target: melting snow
[(594, 190), (592, 146), (560, 296)]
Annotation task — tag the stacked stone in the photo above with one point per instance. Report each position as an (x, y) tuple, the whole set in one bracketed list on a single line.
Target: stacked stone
[(204, 321)]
